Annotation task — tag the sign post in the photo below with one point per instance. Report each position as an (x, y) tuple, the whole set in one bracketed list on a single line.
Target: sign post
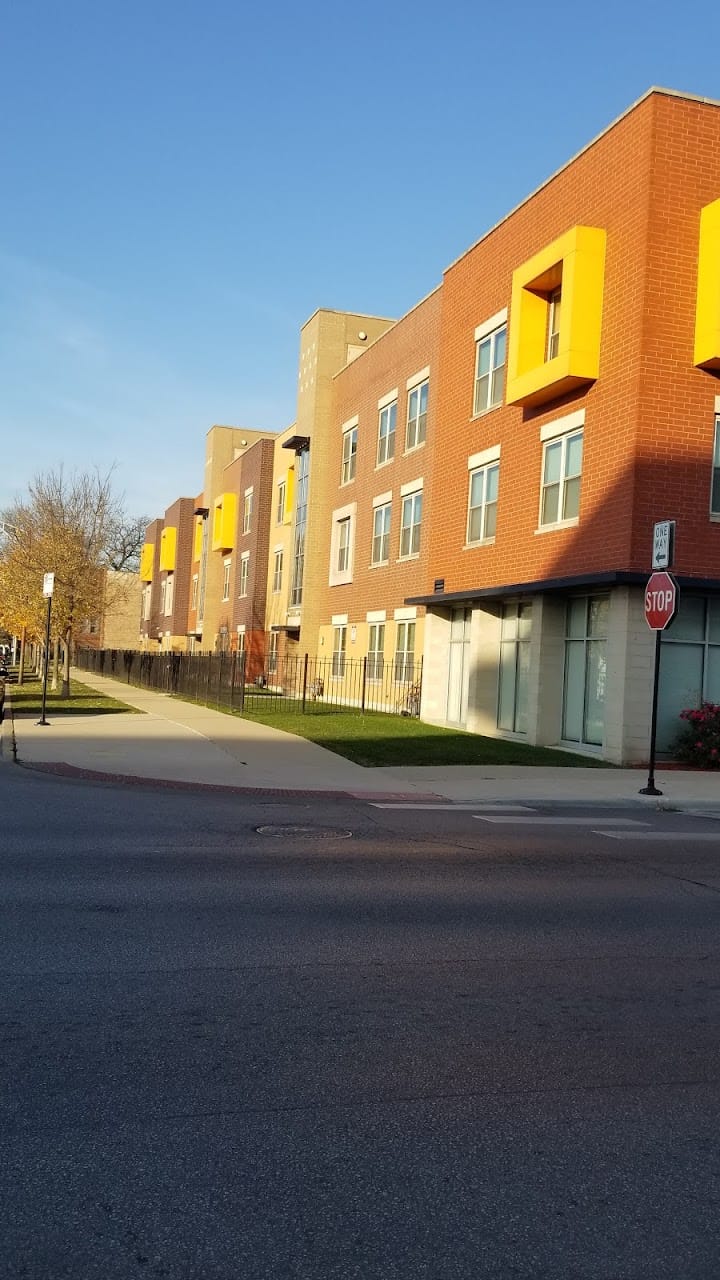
[(48, 588), (661, 602)]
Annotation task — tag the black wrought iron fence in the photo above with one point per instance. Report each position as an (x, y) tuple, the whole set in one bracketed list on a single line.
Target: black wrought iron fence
[(302, 683)]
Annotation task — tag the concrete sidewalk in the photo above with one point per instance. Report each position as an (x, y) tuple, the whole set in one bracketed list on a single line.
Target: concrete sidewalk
[(179, 743)]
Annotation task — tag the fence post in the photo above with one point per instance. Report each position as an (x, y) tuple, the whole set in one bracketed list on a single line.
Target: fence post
[(219, 684), (364, 683), (304, 684), (243, 657), (233, 668), (209, 677)]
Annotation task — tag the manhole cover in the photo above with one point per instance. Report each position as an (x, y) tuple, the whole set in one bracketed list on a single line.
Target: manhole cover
[(306, 833)]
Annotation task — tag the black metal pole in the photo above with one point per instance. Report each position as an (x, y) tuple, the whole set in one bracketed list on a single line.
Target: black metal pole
[(651, 789), (42, 719)]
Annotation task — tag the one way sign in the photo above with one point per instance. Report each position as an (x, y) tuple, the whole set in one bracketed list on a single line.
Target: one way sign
[(663, 544)]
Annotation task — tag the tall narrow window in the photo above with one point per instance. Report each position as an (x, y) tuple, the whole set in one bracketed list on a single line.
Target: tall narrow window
[(247, 510), (244, 573), (272, 653), (339, 648), (405, 652), (482, 503), (343, 556), (277, 572), (562, 469), (410, 522), (490, 370), (553, 337), (280, 504), (381, 535), (226, 579), (349, 455), (715, 495), (416, 416), (376, 651), (169, 593), (301, 504), (194, 592), (514, 667), (386, 433)]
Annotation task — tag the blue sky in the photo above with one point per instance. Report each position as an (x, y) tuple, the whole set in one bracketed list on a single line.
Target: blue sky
[(184, 183)]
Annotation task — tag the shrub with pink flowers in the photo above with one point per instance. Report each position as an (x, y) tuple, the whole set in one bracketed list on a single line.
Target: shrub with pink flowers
[(699, 743)]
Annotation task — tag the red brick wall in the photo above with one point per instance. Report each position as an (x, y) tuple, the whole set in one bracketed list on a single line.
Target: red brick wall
[(644, 181)]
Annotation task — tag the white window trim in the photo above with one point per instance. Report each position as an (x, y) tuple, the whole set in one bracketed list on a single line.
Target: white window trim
[(376, 615), (563, 426), (244, 559), (382, 499), (482, 466), (338, 620), (551, 431), (341, 577), (477, 460), (384, 401), (380, 564), (351, 422), (422, 375), (408, 614), (412, 486), (489, 326)]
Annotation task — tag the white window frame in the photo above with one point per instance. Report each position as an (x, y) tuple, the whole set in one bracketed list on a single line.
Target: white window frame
[(244, 575), (279, 556), (227, 565), (272, 653), (416, 423), (487, 508), (387, 431), (375, 665), (405, 638), (410, 521), (169, 594), (281, 500), (349, 455), (486, 338), (194, 591), (565, 428), (247, 510), (554, 322), (382, 515), (339, 652), (342, 545)]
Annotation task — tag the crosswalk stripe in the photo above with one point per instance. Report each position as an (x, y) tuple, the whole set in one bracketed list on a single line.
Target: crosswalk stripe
[(677, 836), (459, 805), (560, 822)]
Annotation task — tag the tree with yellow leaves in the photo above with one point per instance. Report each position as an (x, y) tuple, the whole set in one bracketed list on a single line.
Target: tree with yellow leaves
[(76, 528)]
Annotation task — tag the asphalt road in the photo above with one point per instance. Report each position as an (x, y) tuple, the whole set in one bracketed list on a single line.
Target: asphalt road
[(363, 1042)]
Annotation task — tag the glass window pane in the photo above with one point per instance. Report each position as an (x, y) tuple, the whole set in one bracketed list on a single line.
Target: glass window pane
[(483, 361), (680, 687), (550, 501), (715, 495), (574, 691), (598, 614), (524, 621), (490, 520), (553, 455), (595, 693), (714, 619), (492, 483), (506, 699), (571, 499), (482, 387), (576, 616), (689, 623), (500, 340), (573, 458), (523, 686), (477, 485)]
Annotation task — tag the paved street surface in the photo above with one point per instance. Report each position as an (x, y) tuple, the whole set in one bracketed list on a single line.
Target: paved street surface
[(303, 1038)]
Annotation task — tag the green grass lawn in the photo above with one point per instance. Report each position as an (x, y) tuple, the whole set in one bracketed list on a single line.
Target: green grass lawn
[(378, 739), (26, 699)]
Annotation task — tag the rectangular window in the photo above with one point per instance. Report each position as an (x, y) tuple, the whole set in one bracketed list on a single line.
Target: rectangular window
[(277, 572), (226, 579), (272, 653), (585, 670), (381, 535), (386, 433), (715, 493), (405, 652), (280, 506), (241, 642), (169, 592), (376, 651), (343, 545), (514, 667), (301, 505), (349, 455), (247, 511), (553, 336), (146, 603), (416, 416), (163, 589), (562, 469), (490, 370), (482, 503), (194, 592), (244, 572), (410, 522), (339, 647)]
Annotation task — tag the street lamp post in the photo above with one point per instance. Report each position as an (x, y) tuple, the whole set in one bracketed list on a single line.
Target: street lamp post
[(48, 588)]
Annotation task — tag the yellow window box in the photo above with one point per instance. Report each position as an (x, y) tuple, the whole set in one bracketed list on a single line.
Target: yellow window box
[(556, 318), (707, 313), (147, 555), (224, 522), (168, 548)]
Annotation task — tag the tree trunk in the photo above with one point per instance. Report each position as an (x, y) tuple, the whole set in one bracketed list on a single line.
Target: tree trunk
[(65, 693), (56, 665), (21, 668)]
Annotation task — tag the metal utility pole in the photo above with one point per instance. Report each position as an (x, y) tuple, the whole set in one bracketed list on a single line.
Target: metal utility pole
[(48, 588)]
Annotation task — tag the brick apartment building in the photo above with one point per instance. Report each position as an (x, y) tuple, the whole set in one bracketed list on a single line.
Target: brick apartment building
[(476, 484)]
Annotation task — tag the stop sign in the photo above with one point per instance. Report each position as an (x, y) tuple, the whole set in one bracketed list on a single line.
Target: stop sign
[(661, 600)]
